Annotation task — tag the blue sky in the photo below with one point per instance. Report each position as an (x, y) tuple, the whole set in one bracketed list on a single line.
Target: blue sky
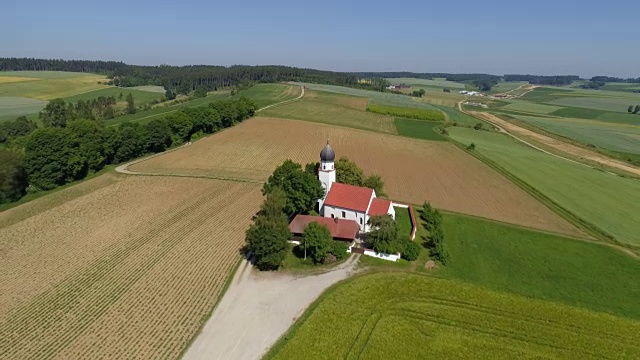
[(540, 37)]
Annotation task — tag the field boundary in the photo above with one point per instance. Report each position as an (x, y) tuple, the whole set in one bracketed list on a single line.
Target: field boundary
[(601, 236)]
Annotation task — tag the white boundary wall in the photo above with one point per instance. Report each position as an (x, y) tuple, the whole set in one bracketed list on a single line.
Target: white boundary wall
[(383, 256)]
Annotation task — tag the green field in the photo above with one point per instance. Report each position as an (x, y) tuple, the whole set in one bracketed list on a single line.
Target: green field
[(593, 114), (409, 316), (439, 83), (375, 97), (615, 137), (420, 114), (140, 97), (50, 84), (267, 94), (419, 129), (150, 88), (458, 117), (597, 103), (12, 107), (539, 265), (607, 201), (631, 87), (526, 106), (544, 94), (335, 109)]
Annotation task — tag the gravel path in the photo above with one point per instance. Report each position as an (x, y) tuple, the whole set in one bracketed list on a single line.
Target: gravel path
[(258, 308)]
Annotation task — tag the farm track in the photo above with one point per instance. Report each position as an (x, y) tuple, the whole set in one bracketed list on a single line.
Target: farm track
[(509, 128), (123, 169)]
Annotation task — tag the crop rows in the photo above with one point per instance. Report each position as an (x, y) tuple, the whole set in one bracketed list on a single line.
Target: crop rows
[(414, 316), (413, 170), (147, 294)]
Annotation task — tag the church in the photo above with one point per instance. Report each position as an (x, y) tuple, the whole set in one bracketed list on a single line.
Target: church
[(348, 202)]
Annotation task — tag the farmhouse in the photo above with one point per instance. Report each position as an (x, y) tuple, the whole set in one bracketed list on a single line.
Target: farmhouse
[(343, 201), (340, 229)]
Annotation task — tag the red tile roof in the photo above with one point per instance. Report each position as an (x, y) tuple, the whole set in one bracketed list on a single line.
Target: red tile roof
[(379, 207), (339, 228), (349, 197)]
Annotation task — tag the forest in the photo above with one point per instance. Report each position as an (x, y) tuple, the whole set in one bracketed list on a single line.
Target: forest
[(543, 80), (182, 79), (69, 148)]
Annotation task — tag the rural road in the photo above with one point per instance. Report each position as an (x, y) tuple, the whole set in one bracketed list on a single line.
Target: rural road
[(509, 128), (258, 308), (123, 169)]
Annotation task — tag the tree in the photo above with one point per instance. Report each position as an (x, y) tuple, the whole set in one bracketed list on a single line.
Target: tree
[(384, 234), (159, 135), (376, 183), (478, 126), (47, 157), (120, 96), (410, 250), (347, 172), (132, 141), (201, 91), (303, 189), (13, 177), (170, 95), (471, 146), (18, 127), (312, 168), (636, 109), (267, 238), (181, 125), (131, 104), (274, 204), (630, 109), (86, 141), (56, 113), (422, 92), (316, 240)]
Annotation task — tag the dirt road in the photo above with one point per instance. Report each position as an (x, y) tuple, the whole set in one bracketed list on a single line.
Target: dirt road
[(515, 131), (258, 308)]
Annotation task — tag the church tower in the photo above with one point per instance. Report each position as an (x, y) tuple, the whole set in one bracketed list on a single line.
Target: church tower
[(327, 171)]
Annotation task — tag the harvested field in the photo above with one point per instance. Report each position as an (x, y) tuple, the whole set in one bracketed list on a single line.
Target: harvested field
[(413, 170), (128, 270)]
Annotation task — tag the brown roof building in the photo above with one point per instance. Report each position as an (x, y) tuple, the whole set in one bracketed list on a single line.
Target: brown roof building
[(340, 229)]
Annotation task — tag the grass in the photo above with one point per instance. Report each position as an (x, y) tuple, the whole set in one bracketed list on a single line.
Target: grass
[(608, 136), (267, 94), (11, 107), (403, 219), (409, 316), (597, 103), (50, 85), (140, 97), (603, 200), (601, 115), (375, 97), (421, 114), (458, 117), (527, 106), (545, 94), (441, 83), (419, 129), (543, 266), (334, 109)]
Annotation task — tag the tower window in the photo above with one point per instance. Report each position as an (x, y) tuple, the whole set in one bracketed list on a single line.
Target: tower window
[(344, 215), (360, 221), (332, 216)]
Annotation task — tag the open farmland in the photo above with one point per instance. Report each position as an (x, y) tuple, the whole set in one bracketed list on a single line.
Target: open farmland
[(126, 267), (615, 137), (140, 97), (12, 107), (47, 85), (413, 170), (597, 103), (409, 316), (531, 107), (427, 83), (607, 201), (335, 109)]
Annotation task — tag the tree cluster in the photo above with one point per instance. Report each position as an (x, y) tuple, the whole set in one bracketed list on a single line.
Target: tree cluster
[(320, 246), (384, 238), (593, 85), (435, 240), (615, 79), (633, 110), (418, 93), (32, 64), (375, 84), (543, 80), (268, 237), (302, 187), (67, 149), (348, 172), (484, 84)]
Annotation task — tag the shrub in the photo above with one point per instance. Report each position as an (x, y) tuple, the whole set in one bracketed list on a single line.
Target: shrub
[(411, 250), (471, 146), (478, 126), (339, 250)]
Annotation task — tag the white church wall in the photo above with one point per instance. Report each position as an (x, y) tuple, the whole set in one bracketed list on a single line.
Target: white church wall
[(383, 256), (340, 213)]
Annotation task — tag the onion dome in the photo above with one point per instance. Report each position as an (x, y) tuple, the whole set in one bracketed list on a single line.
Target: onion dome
[(327, 154)]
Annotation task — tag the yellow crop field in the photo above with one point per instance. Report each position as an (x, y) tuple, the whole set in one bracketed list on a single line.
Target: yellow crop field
[(122, 267), (51, 88), (14, 79), (413, 170)]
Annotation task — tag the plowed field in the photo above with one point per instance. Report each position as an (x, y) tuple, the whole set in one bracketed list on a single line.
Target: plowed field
[(413, 170), (129, 269)]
